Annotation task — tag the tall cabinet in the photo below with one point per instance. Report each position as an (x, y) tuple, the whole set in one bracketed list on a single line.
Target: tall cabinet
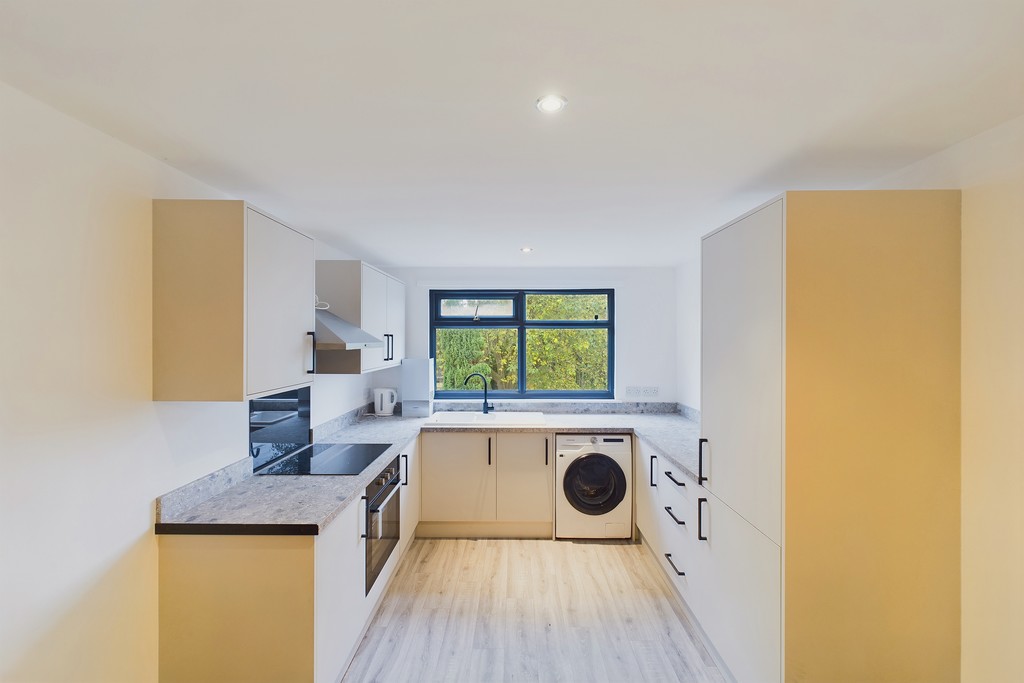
[(830, 458), (232, 302)]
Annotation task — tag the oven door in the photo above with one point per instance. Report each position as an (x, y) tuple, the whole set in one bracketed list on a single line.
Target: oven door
[(383, 516)]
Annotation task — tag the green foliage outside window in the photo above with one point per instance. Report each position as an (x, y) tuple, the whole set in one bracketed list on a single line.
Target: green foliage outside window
[(569, 358)]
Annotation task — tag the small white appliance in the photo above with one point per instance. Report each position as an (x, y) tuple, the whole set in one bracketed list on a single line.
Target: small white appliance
[(417, 387), (593, 486), (384, 401)]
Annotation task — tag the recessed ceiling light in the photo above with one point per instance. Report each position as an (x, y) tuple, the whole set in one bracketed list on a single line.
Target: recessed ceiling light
[(526, 250), (551, 104)]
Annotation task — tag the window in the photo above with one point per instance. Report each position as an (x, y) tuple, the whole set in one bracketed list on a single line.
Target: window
[(529, 343)]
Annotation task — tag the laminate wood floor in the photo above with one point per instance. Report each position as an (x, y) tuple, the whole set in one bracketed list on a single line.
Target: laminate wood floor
[(523, 610)]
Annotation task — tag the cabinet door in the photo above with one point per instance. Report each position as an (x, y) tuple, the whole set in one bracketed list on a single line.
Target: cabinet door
[(279, 310), (409, 463), (459, 482), (341, 606), (646, 488), (396, 320), (741, 366), (739, 599), (525, 477), (373, 314)]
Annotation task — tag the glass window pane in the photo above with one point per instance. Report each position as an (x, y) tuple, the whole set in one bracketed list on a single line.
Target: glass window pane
[(566, 306), (491, 351), (567, 360), (476, 308)]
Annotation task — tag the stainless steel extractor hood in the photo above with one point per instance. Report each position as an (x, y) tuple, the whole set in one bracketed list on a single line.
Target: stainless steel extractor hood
[(335, 334)]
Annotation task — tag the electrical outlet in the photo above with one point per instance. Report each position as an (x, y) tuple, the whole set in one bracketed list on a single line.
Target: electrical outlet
[(633, 391), (649, 392)]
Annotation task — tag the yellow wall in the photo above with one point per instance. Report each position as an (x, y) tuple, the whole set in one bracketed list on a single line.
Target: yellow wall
[(990, 169), (872, 437), (993, 431)]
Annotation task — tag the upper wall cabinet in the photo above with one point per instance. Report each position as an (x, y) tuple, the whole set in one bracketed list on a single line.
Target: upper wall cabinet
[(232, 302), (371, 300)]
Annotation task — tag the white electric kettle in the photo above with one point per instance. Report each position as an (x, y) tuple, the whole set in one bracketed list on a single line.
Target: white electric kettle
[(384, 401)]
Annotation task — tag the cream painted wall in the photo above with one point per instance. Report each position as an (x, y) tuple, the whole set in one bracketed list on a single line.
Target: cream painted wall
[(688, 331), (85, 450), (645, 332), (990, 169)]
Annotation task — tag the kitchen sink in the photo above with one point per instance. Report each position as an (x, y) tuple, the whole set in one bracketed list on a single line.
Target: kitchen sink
[(503, 419)]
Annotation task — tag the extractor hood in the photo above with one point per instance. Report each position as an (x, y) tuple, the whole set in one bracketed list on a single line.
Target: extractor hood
[(335, 334)]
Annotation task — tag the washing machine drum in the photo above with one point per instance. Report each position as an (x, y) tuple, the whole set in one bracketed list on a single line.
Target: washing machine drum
[(594, 484)]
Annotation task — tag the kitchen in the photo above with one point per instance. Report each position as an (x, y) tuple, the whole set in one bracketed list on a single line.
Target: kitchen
[(80, 599)]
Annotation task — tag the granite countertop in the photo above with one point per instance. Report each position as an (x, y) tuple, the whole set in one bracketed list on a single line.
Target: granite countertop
[(304, 505)]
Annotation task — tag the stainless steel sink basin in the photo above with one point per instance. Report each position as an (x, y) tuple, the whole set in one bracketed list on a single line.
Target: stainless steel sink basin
[(505, 419)]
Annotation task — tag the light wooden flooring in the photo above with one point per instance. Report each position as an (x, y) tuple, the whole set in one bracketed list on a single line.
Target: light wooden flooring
[(518, 610)]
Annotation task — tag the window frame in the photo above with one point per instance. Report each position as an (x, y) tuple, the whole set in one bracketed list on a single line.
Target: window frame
[(519, 322)]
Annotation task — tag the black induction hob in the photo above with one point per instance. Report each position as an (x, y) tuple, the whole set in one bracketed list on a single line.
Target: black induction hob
[(327, 458)]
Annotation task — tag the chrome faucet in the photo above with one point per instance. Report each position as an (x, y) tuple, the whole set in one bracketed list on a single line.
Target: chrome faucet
[(487, 406)]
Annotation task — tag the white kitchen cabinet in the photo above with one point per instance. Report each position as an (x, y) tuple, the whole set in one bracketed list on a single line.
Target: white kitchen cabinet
[(306, 591), (830, 408), (395, 326), (524, 476), (487, 484), (409, 466), (736, 572), (370, 299), (232, 293), (645, 465), (459, 481), (741, 366)]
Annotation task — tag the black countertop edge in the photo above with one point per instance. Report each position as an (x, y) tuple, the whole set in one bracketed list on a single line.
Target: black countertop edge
[(238, 529)]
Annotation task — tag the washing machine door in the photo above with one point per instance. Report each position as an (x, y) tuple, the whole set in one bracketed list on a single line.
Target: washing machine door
[(594, 484)]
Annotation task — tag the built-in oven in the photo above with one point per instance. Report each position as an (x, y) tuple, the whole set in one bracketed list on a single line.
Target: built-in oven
[(383, 517)]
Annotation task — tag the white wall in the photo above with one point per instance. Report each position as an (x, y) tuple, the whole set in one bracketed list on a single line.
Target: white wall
[(990, 170), (688, 331), (644, 313)]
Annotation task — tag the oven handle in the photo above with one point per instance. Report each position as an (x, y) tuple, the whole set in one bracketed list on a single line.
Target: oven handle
[(394, 489)]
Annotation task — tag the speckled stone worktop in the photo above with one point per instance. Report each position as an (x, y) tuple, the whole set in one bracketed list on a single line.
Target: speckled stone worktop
[(296, 504)]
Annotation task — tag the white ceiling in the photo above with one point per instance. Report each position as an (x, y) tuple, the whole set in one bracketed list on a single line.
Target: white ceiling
[(405, 132)]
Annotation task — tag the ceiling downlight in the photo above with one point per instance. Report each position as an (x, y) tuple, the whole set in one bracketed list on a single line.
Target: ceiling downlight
[(551, 104)]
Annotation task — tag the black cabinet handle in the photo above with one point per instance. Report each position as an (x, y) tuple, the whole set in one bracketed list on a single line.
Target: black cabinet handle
[(700, 519), (674, 518), (668, 556), (545, 452), (405, 482), (700, 462), (366, 522), (313, 369), (488, 450), (653, 459), (674, 480), (391, 346)]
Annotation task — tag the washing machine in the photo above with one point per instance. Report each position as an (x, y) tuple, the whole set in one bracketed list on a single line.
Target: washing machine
[(593, 486)]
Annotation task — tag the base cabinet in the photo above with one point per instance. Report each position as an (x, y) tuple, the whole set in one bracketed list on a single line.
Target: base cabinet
[(409, 466), (487, 483), (265, 609), (459, 477)]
